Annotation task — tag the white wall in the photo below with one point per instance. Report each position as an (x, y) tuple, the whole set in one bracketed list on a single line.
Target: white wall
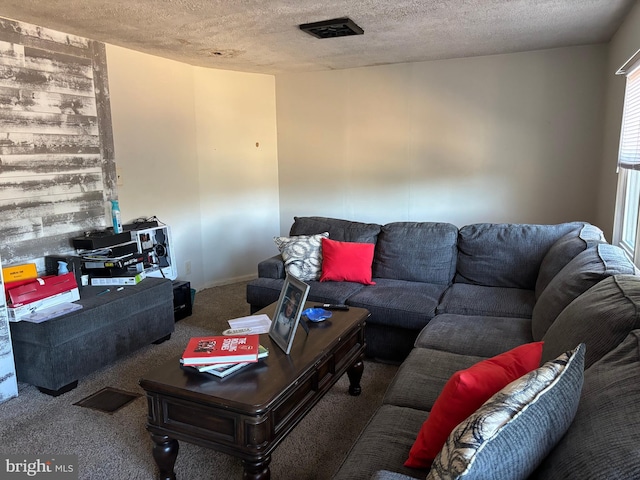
[(238, 163), (184, 141), (505, 138), (153, 118), (514, 138), (623, 45)]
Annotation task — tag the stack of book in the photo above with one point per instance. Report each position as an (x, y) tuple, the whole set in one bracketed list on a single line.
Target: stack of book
[(221, 355)]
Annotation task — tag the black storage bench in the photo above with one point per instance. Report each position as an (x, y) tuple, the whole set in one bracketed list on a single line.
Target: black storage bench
[(55, 354)]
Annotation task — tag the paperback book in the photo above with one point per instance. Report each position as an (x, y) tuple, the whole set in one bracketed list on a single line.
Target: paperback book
[(224, 369), (221, 349)]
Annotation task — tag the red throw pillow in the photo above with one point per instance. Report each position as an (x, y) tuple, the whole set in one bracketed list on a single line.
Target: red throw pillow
[(346, 261), (464, 393)]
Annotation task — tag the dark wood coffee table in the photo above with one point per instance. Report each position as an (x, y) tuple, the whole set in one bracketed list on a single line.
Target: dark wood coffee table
[(250, 412)]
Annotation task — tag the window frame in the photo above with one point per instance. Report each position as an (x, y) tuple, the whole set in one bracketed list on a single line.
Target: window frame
[(626, 178), (621, 211)]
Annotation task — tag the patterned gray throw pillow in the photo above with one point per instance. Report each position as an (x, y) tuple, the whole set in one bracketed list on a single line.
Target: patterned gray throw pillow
[(512, 433), (302, 255)]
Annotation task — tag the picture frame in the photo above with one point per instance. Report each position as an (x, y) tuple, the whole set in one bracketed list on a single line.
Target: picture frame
[(287, 314)]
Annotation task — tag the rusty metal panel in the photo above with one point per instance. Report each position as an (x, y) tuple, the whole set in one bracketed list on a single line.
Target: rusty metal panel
[(57, 165)]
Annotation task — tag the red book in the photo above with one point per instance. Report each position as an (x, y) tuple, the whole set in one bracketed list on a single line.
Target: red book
[(221, 349)]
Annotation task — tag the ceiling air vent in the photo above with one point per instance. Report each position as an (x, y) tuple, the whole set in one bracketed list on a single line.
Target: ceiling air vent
[(338, 27)]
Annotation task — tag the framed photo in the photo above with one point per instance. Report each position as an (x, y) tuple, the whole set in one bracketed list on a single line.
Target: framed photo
[(287, 315)]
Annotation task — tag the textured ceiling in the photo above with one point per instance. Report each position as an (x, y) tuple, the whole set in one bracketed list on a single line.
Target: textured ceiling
[(263, 36)]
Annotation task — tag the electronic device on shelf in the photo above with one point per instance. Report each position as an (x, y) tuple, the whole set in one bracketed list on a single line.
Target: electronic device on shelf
[(156, 246), (144, 246)]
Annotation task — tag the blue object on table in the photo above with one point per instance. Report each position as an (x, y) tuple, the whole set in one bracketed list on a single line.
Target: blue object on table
[(316, 314)]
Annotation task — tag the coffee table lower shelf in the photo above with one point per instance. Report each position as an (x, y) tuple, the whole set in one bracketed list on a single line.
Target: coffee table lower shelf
[(249, 413)]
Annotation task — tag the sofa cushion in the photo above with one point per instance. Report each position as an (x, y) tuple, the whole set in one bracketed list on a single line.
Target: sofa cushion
[(384, 442), (341, 230), (564, 250), (399, 303), (510, 435), (389, 475), (417, 252), (581, 273), (505, 255), (423, 375), (601, 317), (265, 291), (346, 261), (603, 441), (485, 336), (464, 393), (302, 255), (467, 299)]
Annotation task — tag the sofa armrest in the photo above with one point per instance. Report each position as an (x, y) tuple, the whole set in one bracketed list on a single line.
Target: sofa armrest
[(271, 267)]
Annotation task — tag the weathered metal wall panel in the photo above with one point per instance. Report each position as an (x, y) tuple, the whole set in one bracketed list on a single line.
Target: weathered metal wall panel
[(57, 167), (8, 379)]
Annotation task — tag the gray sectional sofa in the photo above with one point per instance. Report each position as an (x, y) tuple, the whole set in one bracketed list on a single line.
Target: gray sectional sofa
[(424, 269), (447, 298)]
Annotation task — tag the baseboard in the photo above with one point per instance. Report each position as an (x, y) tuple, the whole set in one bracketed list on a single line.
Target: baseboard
[(229, 281)]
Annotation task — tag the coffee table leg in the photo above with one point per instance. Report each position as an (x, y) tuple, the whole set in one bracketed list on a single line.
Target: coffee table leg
[(165, 452), (257, 470), (355, 375)]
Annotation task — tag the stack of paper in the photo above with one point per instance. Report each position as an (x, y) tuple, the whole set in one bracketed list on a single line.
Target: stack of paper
[(44, 314), (257, 323)]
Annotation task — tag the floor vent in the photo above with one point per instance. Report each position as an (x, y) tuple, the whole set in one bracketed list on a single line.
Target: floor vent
[(338, 27), (108, 400)]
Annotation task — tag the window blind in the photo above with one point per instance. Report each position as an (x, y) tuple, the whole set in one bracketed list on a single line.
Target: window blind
[(629, 153)]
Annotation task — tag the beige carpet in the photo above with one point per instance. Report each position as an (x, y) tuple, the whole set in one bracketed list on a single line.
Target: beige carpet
[(117, 446)]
